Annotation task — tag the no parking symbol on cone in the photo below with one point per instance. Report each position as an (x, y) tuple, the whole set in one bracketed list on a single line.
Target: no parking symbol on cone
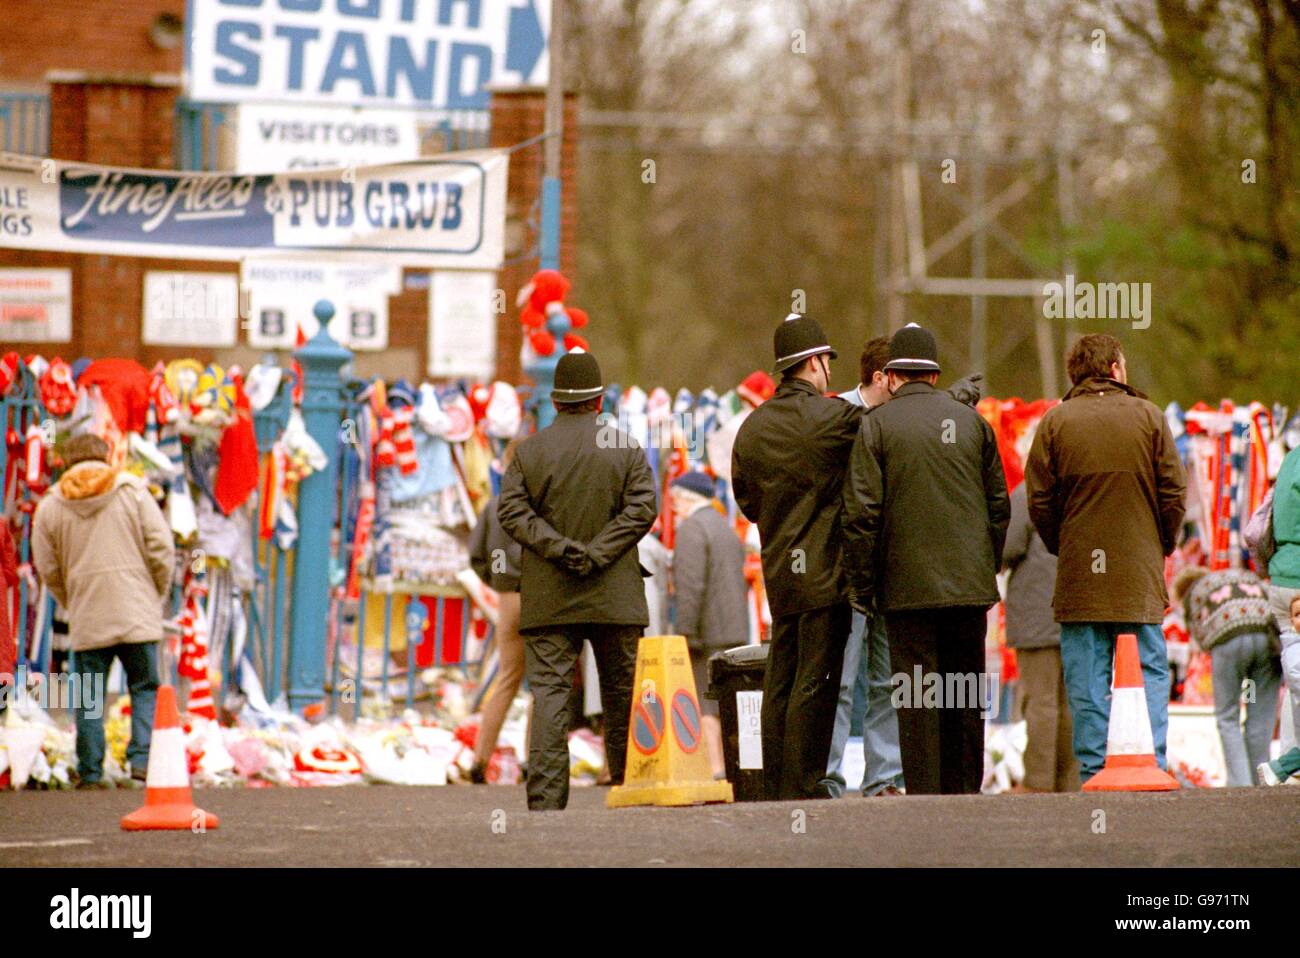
[(686, 720), (647, 723), (665, 765)]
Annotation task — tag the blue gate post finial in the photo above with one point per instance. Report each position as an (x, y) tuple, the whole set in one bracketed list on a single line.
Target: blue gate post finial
[(322, 408), (543, 369)]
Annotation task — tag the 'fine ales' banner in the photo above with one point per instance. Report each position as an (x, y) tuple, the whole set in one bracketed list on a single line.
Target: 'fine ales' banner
[(440, 212)]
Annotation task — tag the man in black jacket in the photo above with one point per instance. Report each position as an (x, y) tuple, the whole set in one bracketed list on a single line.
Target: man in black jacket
[(578, 497), (925, 519), (787, 470)]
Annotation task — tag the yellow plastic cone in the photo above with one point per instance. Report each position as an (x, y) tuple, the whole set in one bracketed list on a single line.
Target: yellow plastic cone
[(667, 763)]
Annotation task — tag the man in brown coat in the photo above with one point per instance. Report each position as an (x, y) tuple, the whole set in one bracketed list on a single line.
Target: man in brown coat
[(1106, 493), (101, 544)]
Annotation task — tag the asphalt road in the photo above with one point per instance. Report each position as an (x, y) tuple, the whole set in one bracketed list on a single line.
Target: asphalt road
[(490, 826)]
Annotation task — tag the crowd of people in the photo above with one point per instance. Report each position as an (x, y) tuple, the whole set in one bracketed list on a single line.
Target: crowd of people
[(884, 518)]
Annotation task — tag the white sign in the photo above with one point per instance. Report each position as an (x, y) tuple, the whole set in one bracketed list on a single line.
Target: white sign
[(281, 296), (190, 309), (271, 323), (364, 323), (275, 138), (462, 324), (749, 716), (35, 305), (441, 212), (427, 53)]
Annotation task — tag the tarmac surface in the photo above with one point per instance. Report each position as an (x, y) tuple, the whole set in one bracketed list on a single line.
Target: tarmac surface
[(388, 826)]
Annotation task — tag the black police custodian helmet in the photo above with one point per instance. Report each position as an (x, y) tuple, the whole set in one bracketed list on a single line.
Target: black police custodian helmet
[(577, 377), (913, 350), (797, 338)]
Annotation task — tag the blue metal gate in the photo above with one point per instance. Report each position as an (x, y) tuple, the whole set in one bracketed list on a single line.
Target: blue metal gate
[(25, 123)]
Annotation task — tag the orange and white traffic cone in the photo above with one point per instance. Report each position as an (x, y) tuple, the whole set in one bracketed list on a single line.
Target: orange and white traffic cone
[(168, 803), (1130, 750)]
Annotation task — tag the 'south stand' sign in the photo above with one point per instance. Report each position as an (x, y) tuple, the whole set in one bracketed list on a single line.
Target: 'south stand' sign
[(425, 53), (440, 212)]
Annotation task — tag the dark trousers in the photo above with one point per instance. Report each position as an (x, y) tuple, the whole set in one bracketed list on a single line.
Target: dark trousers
[(140, 662), (943, 743), (801, 689), (551, 659)]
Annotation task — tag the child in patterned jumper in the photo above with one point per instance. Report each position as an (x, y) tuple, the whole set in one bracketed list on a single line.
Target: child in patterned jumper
[(1228, 615)]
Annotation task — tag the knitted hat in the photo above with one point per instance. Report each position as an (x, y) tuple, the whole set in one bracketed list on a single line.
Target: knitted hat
[(262, 384), (659, 407), (8, 371), (460, 418), (214, 390), (797, 338), (503, 414), (696, 482), (58, 394), (577, 377), (478, 397), (757, 388), (400, 393), (613, 397), (913, 350)]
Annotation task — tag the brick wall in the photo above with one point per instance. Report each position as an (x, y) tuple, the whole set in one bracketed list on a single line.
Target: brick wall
[(106, 36), (518, 116)]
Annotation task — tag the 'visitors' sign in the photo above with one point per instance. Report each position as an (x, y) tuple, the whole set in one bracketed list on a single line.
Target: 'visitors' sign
[(274, 138)]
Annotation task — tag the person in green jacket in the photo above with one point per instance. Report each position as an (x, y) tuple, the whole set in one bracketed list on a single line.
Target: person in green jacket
[(1284, 567), (1288, 764)]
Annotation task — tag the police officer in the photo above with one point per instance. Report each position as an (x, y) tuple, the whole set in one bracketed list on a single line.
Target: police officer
[(578, 496), (787, 469), (925, 519)]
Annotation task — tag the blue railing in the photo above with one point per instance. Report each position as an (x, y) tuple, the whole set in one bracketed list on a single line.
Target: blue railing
[(266, 610), (20, 410), (271, 563), (25, 123), (203, 129)]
